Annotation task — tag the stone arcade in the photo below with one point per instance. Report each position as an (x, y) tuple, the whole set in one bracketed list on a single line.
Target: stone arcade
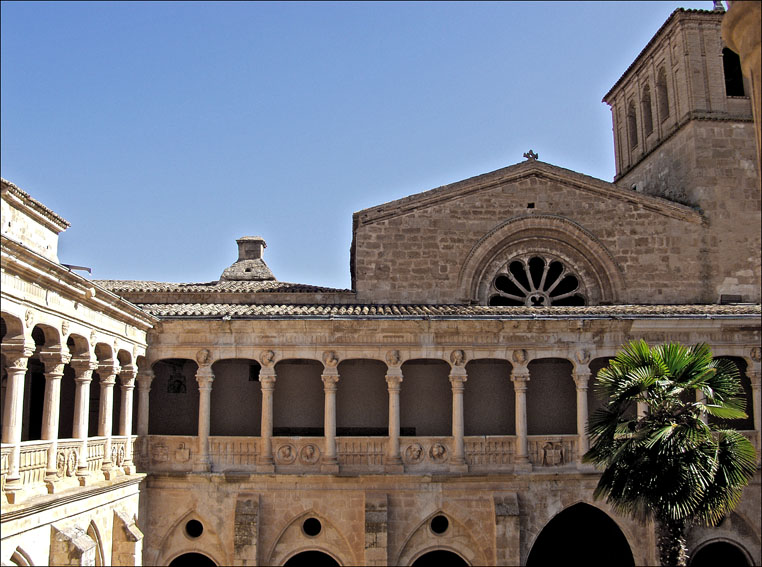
[(437, 410)]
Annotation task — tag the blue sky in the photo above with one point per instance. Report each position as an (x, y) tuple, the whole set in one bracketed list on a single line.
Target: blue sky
[(164, 131)]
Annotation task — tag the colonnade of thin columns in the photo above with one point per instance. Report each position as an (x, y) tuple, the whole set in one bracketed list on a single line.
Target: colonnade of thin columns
[(54, 362), (330, 376)]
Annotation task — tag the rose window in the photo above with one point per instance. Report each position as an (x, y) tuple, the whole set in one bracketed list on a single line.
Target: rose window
[(536, 282)]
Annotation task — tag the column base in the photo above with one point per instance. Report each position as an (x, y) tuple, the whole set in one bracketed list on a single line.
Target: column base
[(329, 467), (84, 477), (202, 466), (522, 467), (394, 467), (459, 467), (13, 490), (265, 468)]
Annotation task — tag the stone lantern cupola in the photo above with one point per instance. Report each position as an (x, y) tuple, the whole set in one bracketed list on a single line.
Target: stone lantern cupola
[(250, 265)]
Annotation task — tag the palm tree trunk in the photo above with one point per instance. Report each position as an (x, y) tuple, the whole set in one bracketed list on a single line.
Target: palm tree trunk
[(671, 542)]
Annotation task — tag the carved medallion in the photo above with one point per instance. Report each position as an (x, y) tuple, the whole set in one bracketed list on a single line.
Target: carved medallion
[(438, 453), (413, 454), (159, 453), (65, 328), (458, 358), (286, 454), (519, 356), (393, 358), (330, 359), (756, 354), (309, 454), (71, 462), (203, 356), (267, 358), (60, 464)]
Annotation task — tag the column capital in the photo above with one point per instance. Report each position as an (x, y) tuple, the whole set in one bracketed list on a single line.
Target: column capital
[(581, 378), (755, 377), (458, 381), (108, 371), (54, 360), (83, 369), (393, 381), (127, 375), (267, 378), (330, 382), (18, 355), (204, 377), (145, 379)]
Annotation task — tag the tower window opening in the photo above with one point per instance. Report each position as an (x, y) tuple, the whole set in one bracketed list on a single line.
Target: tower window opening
[(632, 126), (662, 98), (648, 123), (731, 64)]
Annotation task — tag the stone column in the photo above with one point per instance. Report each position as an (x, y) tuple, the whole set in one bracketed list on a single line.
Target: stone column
[(54, 369), (755, 377), (145, 379), (329, 462), (581, 381), (13, 412), (458, 377), (701, 398), (83, 375), (392, 459), (204, 377), (267, 378), (520, 378), (127, 378), (108, 373)]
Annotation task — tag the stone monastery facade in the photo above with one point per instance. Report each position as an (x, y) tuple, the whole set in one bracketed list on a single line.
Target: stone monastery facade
[(433, 414)]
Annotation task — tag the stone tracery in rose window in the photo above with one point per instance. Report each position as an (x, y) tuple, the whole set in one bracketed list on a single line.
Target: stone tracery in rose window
[(536, 281)]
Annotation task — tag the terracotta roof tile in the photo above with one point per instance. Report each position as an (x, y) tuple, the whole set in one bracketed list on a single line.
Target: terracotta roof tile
[(204, 310), (141, 286)]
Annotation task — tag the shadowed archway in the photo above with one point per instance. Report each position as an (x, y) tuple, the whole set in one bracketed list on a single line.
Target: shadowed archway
[(581, 534), (194, 559), (719, 553), (312, 558), (439, 558)]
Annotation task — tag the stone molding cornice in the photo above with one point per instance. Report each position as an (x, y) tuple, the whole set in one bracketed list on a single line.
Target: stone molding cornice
[(30, 266), (20, 199)]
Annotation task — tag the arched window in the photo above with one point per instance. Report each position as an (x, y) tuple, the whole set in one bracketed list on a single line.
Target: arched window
[(662, 98), (536, 281), (731, 64), (648, 123), (632, 126)]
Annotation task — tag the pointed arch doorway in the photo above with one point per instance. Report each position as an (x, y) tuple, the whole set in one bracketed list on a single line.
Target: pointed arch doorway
[(581, 534)]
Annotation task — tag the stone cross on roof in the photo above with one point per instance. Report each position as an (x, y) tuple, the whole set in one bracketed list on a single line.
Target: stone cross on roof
[(530, 155)]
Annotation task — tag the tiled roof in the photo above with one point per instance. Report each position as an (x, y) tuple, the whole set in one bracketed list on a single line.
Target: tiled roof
[(140, 286), (34, 203), (203, 310)]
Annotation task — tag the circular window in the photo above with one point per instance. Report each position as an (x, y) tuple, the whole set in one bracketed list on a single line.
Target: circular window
[(312, 527), (439, 524), (194, 528), (536, 282)]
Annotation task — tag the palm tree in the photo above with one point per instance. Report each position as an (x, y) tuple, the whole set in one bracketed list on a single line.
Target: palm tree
[(670, 463)]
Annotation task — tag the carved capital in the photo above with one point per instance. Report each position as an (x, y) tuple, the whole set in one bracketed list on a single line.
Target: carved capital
[(393, 382), (458, 358), (83, 369), (54, 362), (330, 382), (267, 379), (18, 355), (267, 358), (520, 380), (144, 379), (458, 381), (581, 379), (127, 375), (204, 377), (330, 359)]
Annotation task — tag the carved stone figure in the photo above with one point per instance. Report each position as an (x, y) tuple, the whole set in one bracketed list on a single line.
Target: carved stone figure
[(520, 356), (203, 356), (309, 454), (286, 454), (414, 453), (458, 358), (267, 358), (65, 328), (438, 453), (393, 358), (756, 354), (583, 356), (330, 359)]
